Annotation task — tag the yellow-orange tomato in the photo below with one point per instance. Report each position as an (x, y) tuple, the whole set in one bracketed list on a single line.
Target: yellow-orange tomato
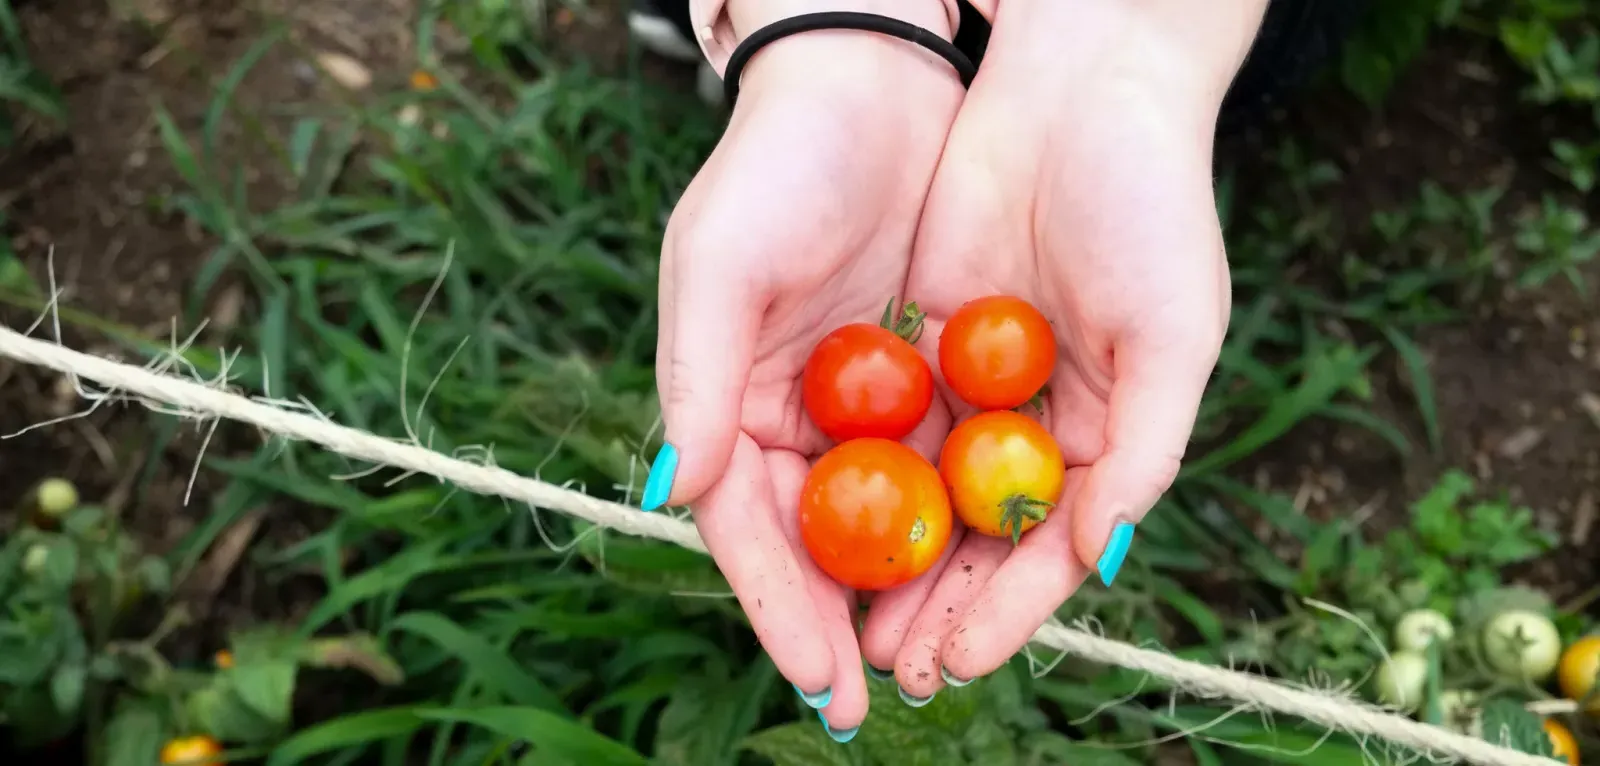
[(223, 659), (1564, 745), (873, 514), (1004, 472), (1580, 663), (192, 751)]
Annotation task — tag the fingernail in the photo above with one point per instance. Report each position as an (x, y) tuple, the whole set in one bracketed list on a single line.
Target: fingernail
[(914, 701), (816, 701), (659, 486), (1116, 551), (879, 675), (839, 735), (950, 679)]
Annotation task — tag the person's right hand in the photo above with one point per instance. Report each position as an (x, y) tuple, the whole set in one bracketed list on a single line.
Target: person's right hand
[(801, 221)]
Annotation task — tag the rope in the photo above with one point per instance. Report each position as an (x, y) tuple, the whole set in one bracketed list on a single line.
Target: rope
[(1336, 713)]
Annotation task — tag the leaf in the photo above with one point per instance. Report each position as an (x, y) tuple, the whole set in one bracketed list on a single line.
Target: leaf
[(134, 734), (218, 710), (66, 687), (551, 735), (493, 667), (1061, 749), (800, 744), (266, 687), (705, 720), (348, 731), (1509, 724)]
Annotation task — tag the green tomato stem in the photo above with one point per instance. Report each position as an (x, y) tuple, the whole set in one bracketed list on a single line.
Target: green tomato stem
[(1017, 508), (908, 325)]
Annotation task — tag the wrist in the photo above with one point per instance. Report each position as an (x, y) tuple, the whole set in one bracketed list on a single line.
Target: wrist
[(1182, 52), (829, 58)]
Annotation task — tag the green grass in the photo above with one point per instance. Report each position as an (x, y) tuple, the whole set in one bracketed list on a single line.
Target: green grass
[(483, 280)]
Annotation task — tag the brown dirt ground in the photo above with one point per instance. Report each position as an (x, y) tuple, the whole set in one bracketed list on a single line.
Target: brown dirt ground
[(1521, 374), (1516, 384)]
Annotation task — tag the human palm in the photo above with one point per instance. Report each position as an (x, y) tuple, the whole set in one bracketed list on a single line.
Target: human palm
[(801, 221), (1109, 227)]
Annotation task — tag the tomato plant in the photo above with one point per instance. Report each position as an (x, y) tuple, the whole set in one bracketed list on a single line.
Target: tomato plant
[(996, 353), (191, 751), (1522, 645), (865, 380), (1580, 664), (1004, 472), (874, 514)]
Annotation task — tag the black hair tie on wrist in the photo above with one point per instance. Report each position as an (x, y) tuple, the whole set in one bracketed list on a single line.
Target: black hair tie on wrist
[(866, 22)]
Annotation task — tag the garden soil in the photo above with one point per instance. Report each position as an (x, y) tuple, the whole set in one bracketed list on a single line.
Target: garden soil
[(1518, 385)]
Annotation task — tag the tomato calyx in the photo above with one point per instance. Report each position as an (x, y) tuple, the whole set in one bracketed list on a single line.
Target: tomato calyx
[(908, 325), (919, 530), (1018, 508)]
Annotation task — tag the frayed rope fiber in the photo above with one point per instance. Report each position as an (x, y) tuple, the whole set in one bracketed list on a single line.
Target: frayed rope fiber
[(1205, 680)]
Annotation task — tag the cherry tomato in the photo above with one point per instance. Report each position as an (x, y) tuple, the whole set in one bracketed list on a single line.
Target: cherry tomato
[(873, 514), (223, 659), (997, 352), (1004, 472), (1580, 664), (869, 381), (191, 751), (1563, 744)]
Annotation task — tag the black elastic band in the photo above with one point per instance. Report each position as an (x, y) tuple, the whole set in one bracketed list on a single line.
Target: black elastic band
[(865, 22)]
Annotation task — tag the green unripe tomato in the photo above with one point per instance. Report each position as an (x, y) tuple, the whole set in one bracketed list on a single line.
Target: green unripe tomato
[(1401, 680), (1419, 628), (1522, 646), (56, 497)]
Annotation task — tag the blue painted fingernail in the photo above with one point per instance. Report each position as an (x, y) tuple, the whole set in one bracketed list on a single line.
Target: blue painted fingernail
[(839, 735), (1116, 551), (816, 701), (659, 486), (879, 675), (914, 701), (950, 679)]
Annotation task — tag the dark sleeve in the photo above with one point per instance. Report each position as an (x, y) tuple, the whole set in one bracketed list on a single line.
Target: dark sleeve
[(1297, 37)]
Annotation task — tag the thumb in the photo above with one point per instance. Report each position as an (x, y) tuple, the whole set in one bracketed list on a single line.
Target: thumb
[(709, 321), (1155, 397)]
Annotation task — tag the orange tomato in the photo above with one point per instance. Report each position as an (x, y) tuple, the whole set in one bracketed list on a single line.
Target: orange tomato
[(996, 353), (874, 514), (191, 751), (223, 659), (1004, 472), (1580, 664), (1564, 745)]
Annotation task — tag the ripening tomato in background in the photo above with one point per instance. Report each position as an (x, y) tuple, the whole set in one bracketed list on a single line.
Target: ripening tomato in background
[(1576, 673), (997, 352), (1562, 744), (191, 751), (863, 380), (1004, 472), (874, 514)]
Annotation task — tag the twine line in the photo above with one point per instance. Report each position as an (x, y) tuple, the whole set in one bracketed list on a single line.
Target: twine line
[(1353, 717)]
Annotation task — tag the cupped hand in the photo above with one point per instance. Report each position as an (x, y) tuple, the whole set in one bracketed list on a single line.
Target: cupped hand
[(801, 221), (1085, 187)]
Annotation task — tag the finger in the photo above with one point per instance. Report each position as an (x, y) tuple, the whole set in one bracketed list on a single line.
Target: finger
[(1024, 592), (916, 665), (892, 612), (836, 606), (1155, 397), (738, 519), (709, 323)]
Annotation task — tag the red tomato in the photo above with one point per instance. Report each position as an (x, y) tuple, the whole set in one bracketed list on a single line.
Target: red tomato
[(874, 514), (867, 381), (997, 352), (1004, 472)]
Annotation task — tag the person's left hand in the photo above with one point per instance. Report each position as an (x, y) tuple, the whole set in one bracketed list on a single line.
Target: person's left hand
[(1100, 212)]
